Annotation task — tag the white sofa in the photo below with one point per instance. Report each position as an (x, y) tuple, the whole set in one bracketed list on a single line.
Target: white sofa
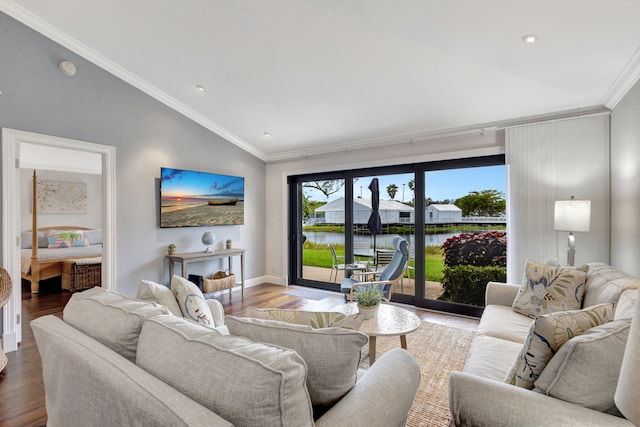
[(113, 361), (479, 396)]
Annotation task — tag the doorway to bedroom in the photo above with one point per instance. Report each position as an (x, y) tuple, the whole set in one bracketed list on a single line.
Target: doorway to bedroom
[(57, 160)]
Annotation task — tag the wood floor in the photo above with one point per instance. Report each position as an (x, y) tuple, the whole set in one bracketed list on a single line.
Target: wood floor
[(22, 390)]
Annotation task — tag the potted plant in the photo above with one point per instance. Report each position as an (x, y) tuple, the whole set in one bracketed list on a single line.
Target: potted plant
[(368, 298), (172, 249), (228, 243)]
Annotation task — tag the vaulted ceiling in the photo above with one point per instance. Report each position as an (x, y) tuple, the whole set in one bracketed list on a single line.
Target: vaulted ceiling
[(284, 78)]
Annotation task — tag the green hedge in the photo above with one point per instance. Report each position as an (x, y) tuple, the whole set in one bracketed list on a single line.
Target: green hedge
[(466, 284)]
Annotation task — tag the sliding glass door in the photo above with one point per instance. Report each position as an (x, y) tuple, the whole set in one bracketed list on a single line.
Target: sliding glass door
[(438, 207)]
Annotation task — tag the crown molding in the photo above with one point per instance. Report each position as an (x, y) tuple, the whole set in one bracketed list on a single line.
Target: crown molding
[(624, 82), (60, 37)]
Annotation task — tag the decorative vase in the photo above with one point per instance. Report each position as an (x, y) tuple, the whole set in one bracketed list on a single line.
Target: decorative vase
[(172, 251), (368, 312), (208, 239)]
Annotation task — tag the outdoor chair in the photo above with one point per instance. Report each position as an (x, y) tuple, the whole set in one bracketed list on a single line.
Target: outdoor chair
[(336, 264), (391, 274), (411, 270)]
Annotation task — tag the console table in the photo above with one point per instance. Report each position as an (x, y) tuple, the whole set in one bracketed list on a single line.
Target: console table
[(187, 258)]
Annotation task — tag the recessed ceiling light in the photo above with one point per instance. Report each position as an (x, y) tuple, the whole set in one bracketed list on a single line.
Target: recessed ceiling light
[(267, 135), (530, 38), (67, 67), (201, 88)]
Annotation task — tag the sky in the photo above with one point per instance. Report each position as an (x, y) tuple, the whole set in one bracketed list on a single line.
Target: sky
[(440, 185), (176, 182)]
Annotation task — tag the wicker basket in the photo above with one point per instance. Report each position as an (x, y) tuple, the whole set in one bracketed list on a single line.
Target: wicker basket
[(78, 274), (218, 282)]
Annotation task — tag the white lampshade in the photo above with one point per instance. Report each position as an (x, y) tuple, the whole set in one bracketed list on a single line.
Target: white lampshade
[(572, 215), (628, 390)]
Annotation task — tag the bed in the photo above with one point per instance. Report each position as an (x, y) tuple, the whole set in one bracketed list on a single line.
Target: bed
[(40, 262), (43, 252)]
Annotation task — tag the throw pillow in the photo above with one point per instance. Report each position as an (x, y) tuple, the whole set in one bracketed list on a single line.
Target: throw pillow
[(315, 319), (110, 318), (585, 370), (547, 334), (332, 355), (547, 289), (245, 382), (66, 239), (626, 305), (191, 301), (152, 291)]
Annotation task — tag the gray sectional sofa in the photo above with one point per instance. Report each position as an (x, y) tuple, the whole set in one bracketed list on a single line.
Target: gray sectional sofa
[(116, 361), (577, 389)]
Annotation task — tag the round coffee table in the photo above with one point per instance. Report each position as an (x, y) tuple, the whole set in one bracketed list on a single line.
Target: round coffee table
[(390, 321)]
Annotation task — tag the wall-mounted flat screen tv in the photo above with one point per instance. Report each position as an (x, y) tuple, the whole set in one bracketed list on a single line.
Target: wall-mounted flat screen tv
[(198, 199)]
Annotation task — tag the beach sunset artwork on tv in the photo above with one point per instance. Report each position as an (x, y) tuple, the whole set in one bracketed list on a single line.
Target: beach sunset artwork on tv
[(196, 199)]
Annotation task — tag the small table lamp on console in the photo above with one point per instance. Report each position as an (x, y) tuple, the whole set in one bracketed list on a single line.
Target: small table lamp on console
[(572, 216)]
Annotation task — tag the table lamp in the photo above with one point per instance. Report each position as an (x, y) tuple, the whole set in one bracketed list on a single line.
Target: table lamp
[(572, 216), (628, 391)]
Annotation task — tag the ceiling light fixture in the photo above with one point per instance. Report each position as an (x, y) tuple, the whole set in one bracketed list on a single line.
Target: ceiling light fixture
[(530, 38), (267, 135), (67, 67), (201, 88)]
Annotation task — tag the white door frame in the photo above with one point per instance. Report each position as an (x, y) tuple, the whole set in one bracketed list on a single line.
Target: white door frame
[(11, 139)]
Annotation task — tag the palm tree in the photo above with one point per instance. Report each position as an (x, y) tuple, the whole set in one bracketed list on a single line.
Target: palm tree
[(392, 189)]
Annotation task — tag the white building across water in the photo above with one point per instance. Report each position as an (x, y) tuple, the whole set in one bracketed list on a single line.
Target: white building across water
[(391, 212)]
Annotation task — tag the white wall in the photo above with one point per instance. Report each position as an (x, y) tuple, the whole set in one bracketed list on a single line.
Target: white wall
[(553, 161), (277, 204), (95, 106), (625, 183)]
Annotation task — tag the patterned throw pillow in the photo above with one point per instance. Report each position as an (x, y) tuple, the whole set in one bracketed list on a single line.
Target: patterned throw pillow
[(66, 239), (191, 301), (547, 289), (547, 334), (315, 319)]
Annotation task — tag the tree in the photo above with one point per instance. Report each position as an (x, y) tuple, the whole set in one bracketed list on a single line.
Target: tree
[(412, 185), (482, 203), (327, 187), (392, 189)]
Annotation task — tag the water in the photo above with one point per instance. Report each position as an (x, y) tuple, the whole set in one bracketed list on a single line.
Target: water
[(382, 241)]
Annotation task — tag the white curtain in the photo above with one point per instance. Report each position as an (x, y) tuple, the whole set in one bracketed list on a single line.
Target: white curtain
[(531, 185)]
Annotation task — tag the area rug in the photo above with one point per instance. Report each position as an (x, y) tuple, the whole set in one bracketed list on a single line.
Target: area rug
[(308, 294), (439, 350)]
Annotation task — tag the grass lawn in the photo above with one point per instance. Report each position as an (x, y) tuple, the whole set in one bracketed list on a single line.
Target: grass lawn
[(318, 255)]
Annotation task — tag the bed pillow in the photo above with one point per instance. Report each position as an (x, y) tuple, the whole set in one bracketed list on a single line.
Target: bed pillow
[(191, 301), (546, 289), (66, 239), (546, 336), (25, 239), (94, 237)]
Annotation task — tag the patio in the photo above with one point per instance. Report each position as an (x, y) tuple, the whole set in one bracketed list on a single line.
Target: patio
[(434, 289)]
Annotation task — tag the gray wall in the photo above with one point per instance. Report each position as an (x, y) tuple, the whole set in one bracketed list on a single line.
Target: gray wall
[(625, 183), (97, 107)]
